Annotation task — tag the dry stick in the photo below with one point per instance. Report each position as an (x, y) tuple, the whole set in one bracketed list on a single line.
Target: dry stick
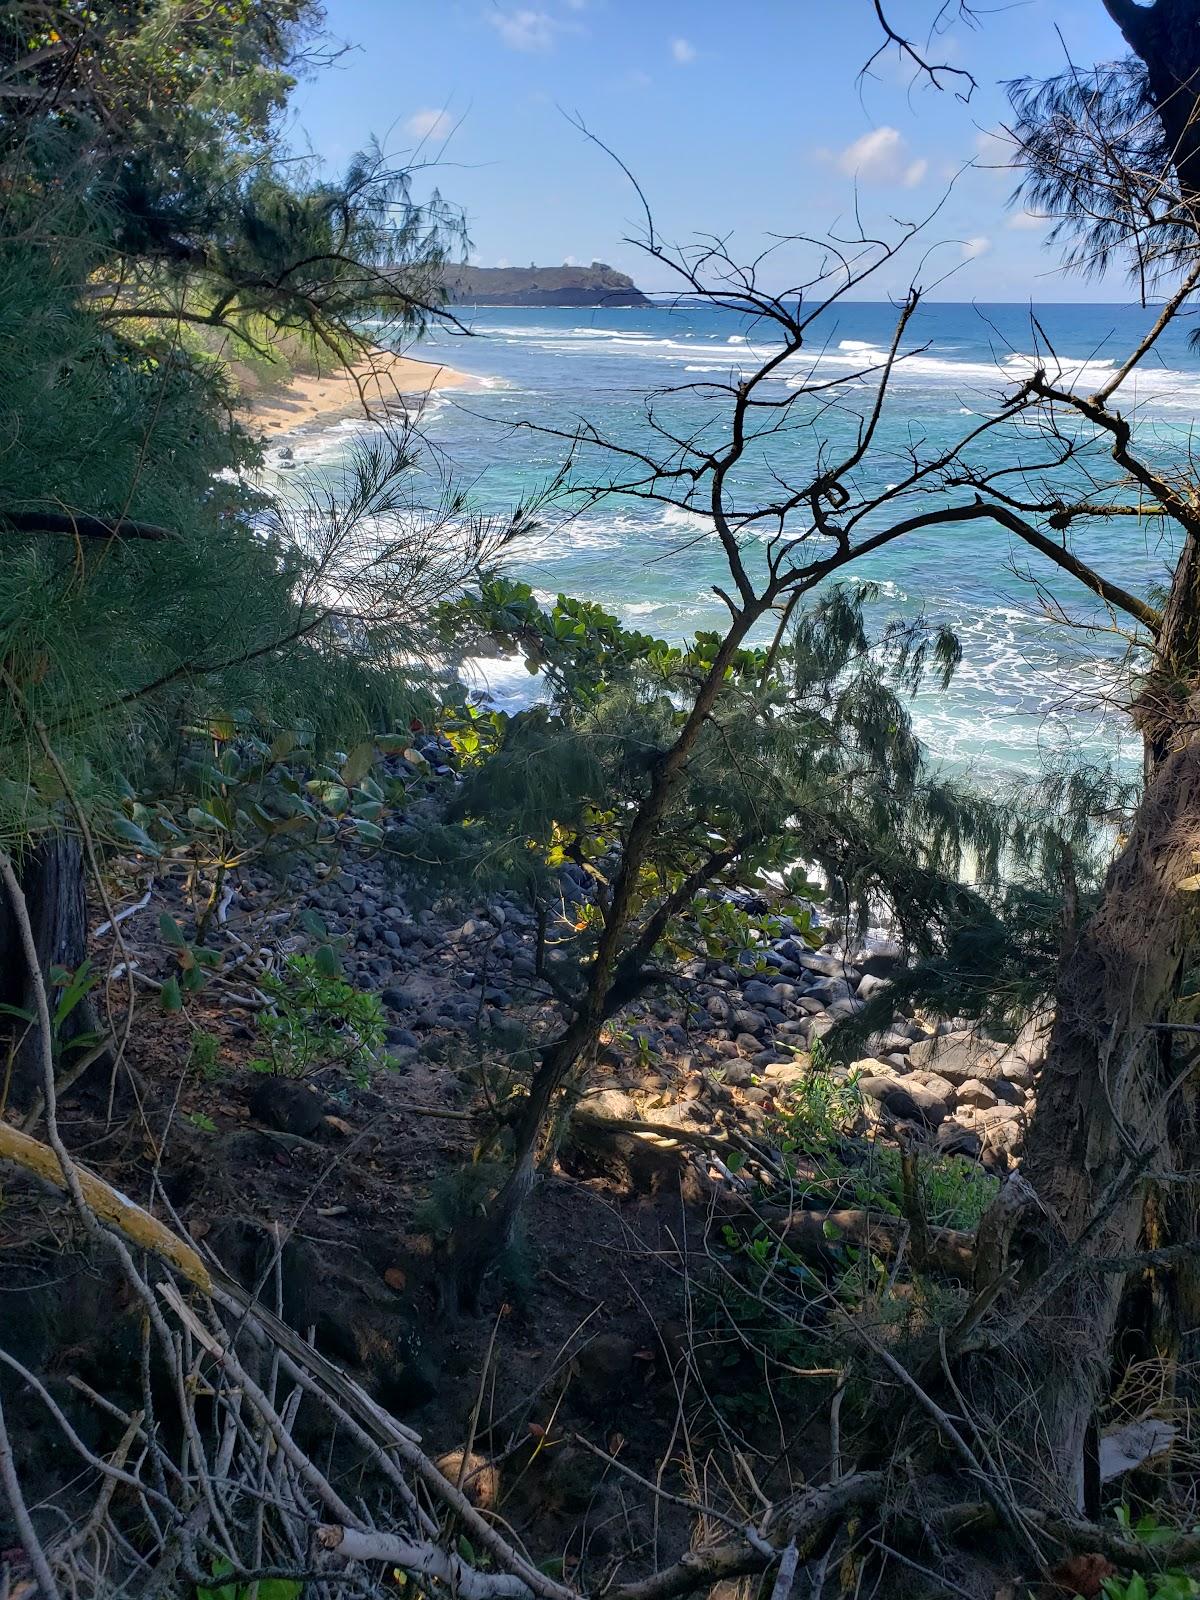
[(478, 1406), (395, 1434), (1008, 1512), (115, 1473), (786, 1576), (430, 1560), (698, 1508), (25, 1529), (926, 1572)]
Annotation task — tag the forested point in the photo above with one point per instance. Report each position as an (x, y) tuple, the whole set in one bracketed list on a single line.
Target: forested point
[(665, 1133)]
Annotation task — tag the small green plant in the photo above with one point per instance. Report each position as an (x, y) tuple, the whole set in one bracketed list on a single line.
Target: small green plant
[(815, 1113), (1173, 1585), (205, 1057), (318, 1020), (193, 960), (225, 1588), (954, 1191)]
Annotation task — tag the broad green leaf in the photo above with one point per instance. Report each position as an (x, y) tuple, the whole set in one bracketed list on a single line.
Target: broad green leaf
[(170, 998), (132, 834), (358, 764)]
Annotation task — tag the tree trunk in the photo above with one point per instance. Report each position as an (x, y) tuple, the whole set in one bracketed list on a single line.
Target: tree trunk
[(1104, 1115), (52, 880), (475, 1246)]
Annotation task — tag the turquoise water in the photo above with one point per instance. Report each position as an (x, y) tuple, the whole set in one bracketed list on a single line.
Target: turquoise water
[(1029, 684)]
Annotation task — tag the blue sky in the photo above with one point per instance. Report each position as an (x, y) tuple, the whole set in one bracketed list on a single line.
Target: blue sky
[(743, 119)]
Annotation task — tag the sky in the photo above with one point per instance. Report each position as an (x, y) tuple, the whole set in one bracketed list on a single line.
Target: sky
[(743, 118)]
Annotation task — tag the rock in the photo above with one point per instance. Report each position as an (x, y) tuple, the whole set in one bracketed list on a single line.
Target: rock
[(604, 1366), (287, 1106), (827, 990), (612, 1103), (1008, 1093), (819, 964), (756, 993), (480, 1479), (903, 1104), (975, 1093), (506, 1033), (879, 960), (767, 1058), (932, 1081), (1021, 1061), (890, 1042), (794, 1071), (872, 1067), (747, 1021), (953, 1140), (958, 1056), (844, 1008), (747, 1044), (402, 999), (869, 986)]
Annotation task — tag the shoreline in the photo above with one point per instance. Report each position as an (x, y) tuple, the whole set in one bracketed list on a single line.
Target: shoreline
[(380, 383)]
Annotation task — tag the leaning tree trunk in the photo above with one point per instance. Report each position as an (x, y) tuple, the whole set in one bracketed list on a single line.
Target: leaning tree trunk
[(1103, 1123), (52, 879)]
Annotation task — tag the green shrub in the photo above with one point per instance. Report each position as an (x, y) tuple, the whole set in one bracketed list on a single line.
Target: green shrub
[(318, 1020)]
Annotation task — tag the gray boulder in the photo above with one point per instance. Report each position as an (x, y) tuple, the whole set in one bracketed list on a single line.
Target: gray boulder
[(958, 1056)]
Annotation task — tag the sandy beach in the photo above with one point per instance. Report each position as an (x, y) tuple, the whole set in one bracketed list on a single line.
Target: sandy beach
[(381, 382)]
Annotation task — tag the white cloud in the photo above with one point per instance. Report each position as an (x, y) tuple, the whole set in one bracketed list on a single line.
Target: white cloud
[(978, 246), (524, 29), (881, 156), (429, 124), (1023, 221), (684, 51)]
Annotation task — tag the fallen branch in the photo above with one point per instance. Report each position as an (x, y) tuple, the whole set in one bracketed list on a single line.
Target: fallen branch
[(108, 1204), (421, 1559)]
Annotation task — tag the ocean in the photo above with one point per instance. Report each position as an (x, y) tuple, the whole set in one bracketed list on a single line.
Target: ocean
[(1037, 680)]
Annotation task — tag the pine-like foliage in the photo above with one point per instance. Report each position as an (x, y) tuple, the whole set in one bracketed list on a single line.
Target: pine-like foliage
[(139, 192), (807, 771)]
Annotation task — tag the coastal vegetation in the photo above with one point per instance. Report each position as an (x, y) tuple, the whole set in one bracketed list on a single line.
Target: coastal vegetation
[(666, 1135)]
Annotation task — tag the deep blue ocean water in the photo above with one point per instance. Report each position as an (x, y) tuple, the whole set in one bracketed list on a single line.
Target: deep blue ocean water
[(1028, 685)]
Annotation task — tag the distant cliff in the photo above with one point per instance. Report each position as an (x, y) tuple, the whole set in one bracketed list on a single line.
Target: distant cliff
[(597, 285)]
